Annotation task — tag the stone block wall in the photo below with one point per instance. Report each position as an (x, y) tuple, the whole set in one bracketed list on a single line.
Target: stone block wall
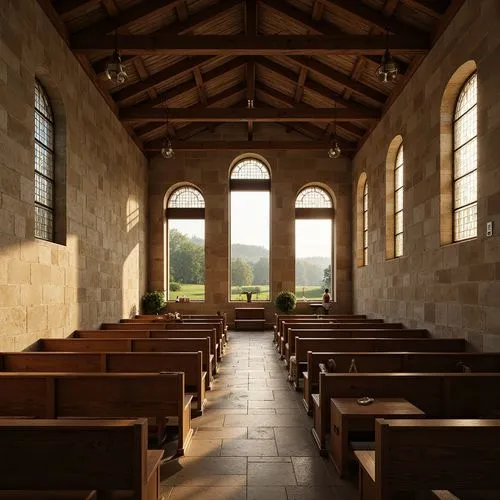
[(290, 171), (453, 290), (49, 289)]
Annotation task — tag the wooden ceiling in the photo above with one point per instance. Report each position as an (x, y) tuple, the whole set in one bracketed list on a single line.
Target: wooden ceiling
[(302, 63)]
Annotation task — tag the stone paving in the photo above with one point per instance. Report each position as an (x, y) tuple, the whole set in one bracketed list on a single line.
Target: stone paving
[(254, 440)]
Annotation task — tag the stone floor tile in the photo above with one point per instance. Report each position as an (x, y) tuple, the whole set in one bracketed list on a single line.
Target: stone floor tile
[(270, 459), (260, 433), (274, 404), (270, 474), (204, 448), (165, 492), (220, 433), (295, 442), (208, 420), (249, 447), (213, 493), (314, 471), (264, 421), (312, 493), (261, 411), (266, 493)]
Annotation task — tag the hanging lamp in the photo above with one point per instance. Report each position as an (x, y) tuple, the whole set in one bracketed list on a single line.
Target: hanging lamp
[(334, 152), (388, 69), (114, 68), (167, 151)]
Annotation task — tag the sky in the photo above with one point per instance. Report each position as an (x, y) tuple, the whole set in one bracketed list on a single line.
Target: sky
[(250, 226)]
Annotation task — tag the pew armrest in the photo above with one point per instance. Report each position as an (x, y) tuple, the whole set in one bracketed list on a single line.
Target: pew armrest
[(366, 459), (315, 399), (443, 495), (153, 462)]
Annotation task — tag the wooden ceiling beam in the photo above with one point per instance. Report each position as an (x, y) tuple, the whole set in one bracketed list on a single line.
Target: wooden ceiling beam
[(231, 45), (180, 28), (290, 102), (427, 8), (126, 17), (298, 114), (316, 87), (340, 79), (198, 78), (184, 66), (67, 8), (376, 19), (317, 12), (211, 101), (182, 11), (390, 7), (301, 80), (191, 85), (156, 145)]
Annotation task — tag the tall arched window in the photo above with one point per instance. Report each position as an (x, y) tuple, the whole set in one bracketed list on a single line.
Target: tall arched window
[(465, 162), (185, 217), (314, 215), (365, 224), (44, 165), (399, 203), (250, 188)]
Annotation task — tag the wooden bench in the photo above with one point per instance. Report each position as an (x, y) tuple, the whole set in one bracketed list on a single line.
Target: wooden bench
[(100, 395), (100, 345), (320, 320), (216, 338), (152, 334), (438, 395), (359, 325), (347, 332), (394, 362), (413, 457), (249, 318), (190, 363), (55, 457)]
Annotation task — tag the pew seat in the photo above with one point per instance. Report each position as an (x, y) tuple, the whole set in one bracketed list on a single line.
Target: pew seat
[(110, 457)]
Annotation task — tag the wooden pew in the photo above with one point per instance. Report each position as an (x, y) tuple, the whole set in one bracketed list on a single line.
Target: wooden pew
[(346, 332), (150, 334), (59, 456), (438, 395), (393, 362), (190, 363), (100, 345), (170, 325), (412, 457), (159, 396), (359, 325)]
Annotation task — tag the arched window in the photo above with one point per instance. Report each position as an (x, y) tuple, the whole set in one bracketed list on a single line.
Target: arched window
[(399, 202), (365, 224), (185, 219), (314, 215), (465, 162), (250, 201), (45, 174)]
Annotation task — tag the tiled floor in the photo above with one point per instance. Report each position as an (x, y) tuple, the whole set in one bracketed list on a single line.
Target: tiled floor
[(254, 440)]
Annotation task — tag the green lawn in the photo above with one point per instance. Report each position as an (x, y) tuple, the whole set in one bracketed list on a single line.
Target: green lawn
[(197, 292)]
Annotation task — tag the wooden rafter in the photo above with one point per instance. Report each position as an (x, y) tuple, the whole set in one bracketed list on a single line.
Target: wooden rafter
[(290, 102), (390, 7), (316, 87), (156, 145), (66, 8), (197, 114), (426, 8), (198, 78), (224, 45)]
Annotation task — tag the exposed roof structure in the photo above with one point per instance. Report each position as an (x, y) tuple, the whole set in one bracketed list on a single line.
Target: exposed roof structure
[(301, 63)]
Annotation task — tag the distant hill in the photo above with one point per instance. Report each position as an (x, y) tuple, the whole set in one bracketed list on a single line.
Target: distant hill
[(252, 253)]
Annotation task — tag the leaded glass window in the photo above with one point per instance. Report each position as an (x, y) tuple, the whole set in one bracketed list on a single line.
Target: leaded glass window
[(44, 165), (465, 162), (250, 168), (399, 203), (365, 224), (313, 197), (186, 197)]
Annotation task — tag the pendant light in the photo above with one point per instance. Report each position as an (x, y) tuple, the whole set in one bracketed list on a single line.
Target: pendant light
[(167, 151), (334, 152), (388, 69), (114, 68)]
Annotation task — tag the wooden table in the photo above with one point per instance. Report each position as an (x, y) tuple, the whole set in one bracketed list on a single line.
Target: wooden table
[(348, 416)]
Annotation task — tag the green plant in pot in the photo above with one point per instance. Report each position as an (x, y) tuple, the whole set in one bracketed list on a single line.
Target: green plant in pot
[(285, 302), (153, 302)]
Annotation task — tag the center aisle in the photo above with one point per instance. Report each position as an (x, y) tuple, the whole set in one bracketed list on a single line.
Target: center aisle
[(254, 440)]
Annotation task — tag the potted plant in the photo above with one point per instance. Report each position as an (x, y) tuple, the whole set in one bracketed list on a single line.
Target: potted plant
[(285, 302), (153, 302)]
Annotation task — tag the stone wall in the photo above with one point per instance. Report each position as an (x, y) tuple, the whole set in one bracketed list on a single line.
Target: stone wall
[(453, 290), (49, 289), (290, 171)]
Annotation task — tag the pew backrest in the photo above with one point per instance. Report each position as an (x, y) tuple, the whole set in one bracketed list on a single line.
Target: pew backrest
[(428, 455), (74, 455)]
